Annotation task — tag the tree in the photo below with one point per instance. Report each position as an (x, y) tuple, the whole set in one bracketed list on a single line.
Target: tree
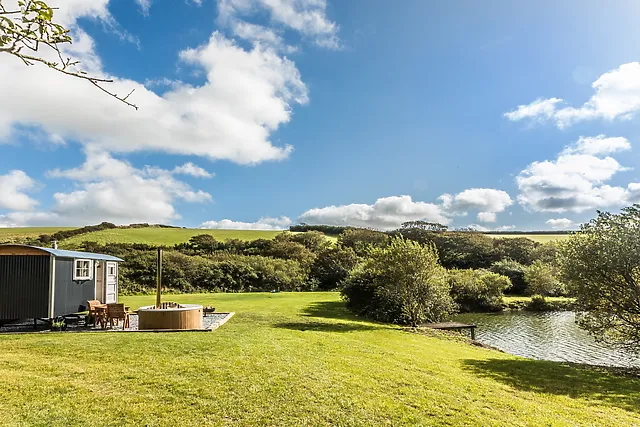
[(30, 27), (478, 290), (514, 271), (405, 283), (542, 279), (602, 266), (518, 249), (363, 240), (332, 266)]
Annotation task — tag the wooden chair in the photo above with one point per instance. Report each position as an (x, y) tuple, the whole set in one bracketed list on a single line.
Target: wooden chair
[(117, 312), (94, 315)]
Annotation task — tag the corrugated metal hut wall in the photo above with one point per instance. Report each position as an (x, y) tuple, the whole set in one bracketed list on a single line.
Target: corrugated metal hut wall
[(24, 286), (70, 296)]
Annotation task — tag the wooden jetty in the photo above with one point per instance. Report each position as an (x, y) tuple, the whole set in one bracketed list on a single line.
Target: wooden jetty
[(452, 326)]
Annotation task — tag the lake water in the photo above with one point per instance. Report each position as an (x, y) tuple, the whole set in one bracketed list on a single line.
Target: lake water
[(546, 336)]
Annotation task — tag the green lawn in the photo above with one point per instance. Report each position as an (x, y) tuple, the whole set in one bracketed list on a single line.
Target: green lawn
[(299, 360), (542, 238), (9, 234), (164, 236)]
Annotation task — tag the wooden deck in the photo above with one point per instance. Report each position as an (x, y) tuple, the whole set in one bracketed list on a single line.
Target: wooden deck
[(452, 326)]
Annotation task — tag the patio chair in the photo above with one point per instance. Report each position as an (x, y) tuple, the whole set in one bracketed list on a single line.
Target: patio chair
[(117, 312), (94, 316)]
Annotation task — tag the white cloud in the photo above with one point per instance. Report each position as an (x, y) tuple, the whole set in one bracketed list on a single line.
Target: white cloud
[(145, 5), (385, 214), (574, 182), (486, 216), (192, 170), (486, 200), (616, 96), (12, 191), (560, 223), (262, 224), (598, 145), (308, 17), (538, 109), (247, 95), (112, 190)]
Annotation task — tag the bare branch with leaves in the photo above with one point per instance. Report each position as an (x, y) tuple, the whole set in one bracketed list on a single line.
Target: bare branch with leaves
[(25, 30)]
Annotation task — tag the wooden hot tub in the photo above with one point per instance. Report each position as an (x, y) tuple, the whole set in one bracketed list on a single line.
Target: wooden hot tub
[(184, 316)]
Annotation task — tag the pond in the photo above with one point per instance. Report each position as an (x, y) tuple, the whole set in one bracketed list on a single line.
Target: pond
[(546, 336)]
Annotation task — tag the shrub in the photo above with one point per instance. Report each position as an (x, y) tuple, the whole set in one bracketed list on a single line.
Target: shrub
[(520, 249), (515, 272), (362, 240), (332, 266), (477, 290), (402, 282), (542, 279)]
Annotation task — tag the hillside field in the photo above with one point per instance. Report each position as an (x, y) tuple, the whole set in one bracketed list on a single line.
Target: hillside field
[(293, 359), (172, 236), (9, 234), (164, 236)]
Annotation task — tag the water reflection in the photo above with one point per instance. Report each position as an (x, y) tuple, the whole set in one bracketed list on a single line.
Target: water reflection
[(547, 336)]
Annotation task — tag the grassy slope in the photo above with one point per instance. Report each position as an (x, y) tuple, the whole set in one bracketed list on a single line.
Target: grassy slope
[(8, 234), (164, 236), (294, 359)]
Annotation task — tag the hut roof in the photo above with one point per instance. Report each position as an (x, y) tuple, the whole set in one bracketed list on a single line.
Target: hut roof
[(71, 254)]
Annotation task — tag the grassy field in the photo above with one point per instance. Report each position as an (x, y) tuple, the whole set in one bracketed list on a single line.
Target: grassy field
[(164, 236), (299, 360), (8, 234), (541, 238)]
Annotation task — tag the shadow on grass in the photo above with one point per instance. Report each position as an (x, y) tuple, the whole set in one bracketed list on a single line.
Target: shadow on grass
[(576, 381), (329, 310), (325, 326)]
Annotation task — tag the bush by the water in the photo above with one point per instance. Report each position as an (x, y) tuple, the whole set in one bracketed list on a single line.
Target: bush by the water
[(478, 290), (402, 282)]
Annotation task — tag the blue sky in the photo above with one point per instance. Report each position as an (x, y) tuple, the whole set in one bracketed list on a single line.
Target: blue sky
[(500, 115)]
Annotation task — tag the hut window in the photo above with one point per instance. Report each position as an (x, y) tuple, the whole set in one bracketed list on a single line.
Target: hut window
[(82, 269)]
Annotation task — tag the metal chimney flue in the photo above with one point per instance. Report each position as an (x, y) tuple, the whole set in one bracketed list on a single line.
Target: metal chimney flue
[(55, 244)]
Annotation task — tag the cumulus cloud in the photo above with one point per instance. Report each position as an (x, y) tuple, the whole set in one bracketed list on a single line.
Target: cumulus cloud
[(488, 201), (13, 188), (192, 170), (486, 216), (560, 223), (246, 96), (385, 214), (109, 189), (262, 224), (575, 182), (308, 17), (616, 96), (596, 145)]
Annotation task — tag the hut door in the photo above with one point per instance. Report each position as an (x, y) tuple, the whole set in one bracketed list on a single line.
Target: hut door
[(111, 284)]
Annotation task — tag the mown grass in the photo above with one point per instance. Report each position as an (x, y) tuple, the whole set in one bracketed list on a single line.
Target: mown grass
[(10, 234), (294, 359), (541, 238), (164, 236)]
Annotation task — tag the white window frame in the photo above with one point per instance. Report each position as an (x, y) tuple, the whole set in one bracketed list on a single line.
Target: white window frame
[(75, 269), (115, 269)]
